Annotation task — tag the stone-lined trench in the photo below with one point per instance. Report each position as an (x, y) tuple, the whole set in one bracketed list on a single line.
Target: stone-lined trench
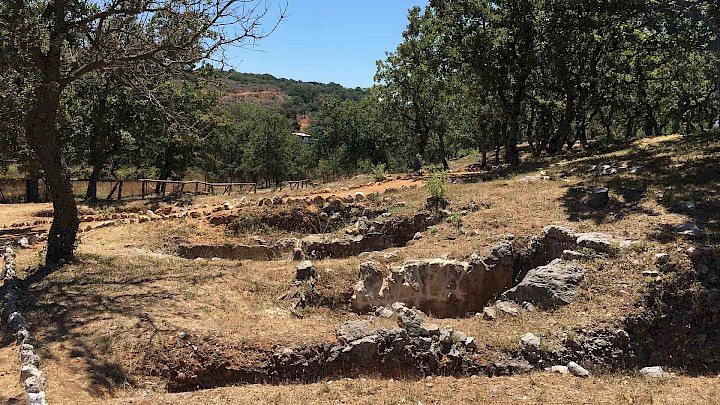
[(542, 272), (365, 235)]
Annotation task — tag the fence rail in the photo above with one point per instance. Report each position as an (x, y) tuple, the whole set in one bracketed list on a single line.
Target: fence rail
[(295, 184), (178, 186), (15, 190)]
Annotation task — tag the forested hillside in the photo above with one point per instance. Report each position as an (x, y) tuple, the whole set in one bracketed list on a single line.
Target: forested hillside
[(292, 98)]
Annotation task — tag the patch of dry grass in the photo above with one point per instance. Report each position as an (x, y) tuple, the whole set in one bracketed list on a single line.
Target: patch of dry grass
[(92, 317), (529, 389)]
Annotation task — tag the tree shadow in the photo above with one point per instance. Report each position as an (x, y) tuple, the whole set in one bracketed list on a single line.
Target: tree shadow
[(13, 234), (61, 311), (687, 186)]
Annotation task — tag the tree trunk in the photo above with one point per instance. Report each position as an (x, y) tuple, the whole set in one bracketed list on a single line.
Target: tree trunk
[(629, 130), (32, 189), (499, 139), (483, 152), (582, 134), (42, 136), (560, 138), (91, 192), (512, 155), (422, 148), (441, 146)]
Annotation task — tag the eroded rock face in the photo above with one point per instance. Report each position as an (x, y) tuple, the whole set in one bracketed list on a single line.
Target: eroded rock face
[(531, 276), (548, 286), (376, 235), (238, 252), (444, 288)]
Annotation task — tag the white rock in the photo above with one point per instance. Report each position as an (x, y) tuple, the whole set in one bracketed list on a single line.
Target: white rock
[(577, 370), (654, 372), (529, 343), (688, 229), (559, 369)]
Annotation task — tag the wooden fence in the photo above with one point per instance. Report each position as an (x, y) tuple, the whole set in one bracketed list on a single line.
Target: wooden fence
[(292, 184), (193, 186), (14, 190)]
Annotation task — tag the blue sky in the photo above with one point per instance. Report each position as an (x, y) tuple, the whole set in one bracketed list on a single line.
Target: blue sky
[(329, 41)]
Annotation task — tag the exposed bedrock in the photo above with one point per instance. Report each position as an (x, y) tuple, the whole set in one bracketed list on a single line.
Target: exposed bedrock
[(413, 349), (444, 288), (548, 286), (532, 272), (380, 234), (370, 235), (238, 252)]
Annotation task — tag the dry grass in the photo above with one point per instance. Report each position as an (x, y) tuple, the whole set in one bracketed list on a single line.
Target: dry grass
[(92, 318), (532, 389)]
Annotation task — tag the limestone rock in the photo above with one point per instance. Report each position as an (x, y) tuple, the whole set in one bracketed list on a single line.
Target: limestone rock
[(507, 308), (559, 369), (359, 196), (489, 313), (577, 370), (384, 312), (353, 330), (366, 290), (654, 372), (688, 229), (304, 271), (529, 343), (572, 255), (596, 241), (548, 286)]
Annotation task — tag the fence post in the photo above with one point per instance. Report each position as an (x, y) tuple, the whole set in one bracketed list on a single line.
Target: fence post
[(142, 188), (120, 190)]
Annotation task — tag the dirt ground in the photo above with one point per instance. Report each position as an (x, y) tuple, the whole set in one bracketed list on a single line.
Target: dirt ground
[(99, 322)]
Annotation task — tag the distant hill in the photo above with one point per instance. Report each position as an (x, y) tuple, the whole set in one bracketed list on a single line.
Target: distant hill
[(297, 100)]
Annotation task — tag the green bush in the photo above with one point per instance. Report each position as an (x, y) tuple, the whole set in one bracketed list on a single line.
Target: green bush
[(435, 184), (365, 166), (379, 173)]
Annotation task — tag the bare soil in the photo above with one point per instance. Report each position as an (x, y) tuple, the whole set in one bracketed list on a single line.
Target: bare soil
[(101, 322)]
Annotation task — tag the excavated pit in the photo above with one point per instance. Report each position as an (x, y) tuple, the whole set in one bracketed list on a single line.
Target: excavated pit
[(414, 349), (370, 235), (308, 219), (535, 273)]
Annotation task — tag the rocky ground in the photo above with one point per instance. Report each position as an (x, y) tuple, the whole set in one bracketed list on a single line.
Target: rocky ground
[(525, 288)]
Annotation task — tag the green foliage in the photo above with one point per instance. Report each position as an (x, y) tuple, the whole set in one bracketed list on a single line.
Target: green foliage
[(378, 172), (456, 219), (257, 145), (303, 98), (435, 183)]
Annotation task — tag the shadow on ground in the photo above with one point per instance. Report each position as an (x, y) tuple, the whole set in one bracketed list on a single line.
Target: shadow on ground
[(64, 303), (682, 175)]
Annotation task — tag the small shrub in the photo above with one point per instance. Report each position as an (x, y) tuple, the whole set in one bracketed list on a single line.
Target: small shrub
[(435, 184), (374, 197), (456, 220), (379, 173), (365, 166)]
